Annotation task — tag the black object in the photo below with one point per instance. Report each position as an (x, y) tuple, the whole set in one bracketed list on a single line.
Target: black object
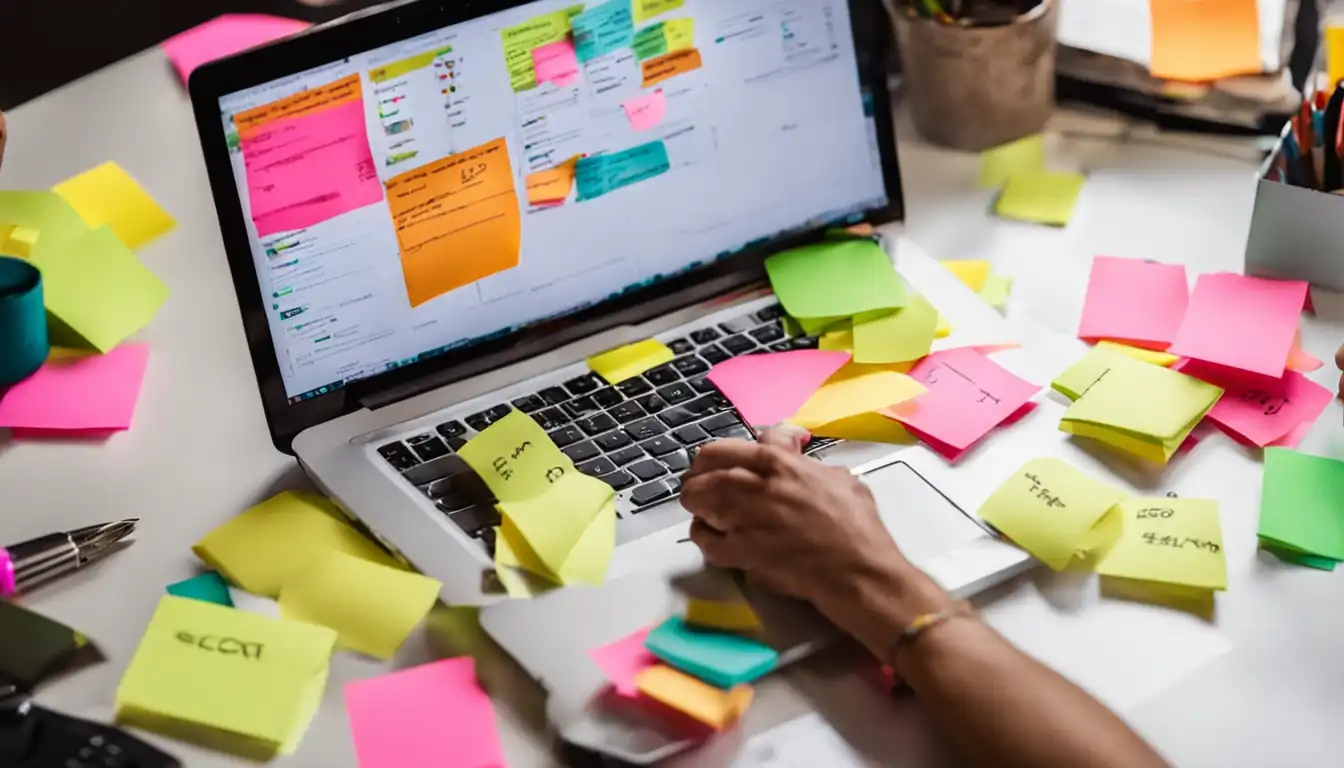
[(1333, 114), (34, 648), (35, 737)]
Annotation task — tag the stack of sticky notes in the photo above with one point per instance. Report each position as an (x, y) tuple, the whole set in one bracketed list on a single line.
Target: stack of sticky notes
[(1136, 407), (1027, 191), (1236, 324), (1134, 302), (558, 523), (1300, 517), (767, 389), (228, 679), (849, 405), (1167, 550)]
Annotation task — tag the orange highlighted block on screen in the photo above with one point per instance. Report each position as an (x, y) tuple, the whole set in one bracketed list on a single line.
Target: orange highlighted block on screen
[(333, 94), (457, 220), (670, 65), (1202, 40), (553, 184)]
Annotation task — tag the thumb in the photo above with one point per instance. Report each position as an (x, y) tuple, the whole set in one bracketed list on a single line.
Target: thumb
[(786, 436)]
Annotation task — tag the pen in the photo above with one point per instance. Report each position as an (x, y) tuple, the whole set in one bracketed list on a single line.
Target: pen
[(28, 563)]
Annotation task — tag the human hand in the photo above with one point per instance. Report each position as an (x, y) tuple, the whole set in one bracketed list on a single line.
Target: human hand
[(801, 529), (3, 132), (1339, 357)]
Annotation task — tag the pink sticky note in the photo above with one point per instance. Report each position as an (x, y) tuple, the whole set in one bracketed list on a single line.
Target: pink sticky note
[(767, 389), (622, 660), (305, 170), (435, 714), (556, 63), (646, 112), (1294, 438), (1263, 416), (969, 395), (224, 36), (1246, 323), (1303, 361), (1136, 302), (83, 394)]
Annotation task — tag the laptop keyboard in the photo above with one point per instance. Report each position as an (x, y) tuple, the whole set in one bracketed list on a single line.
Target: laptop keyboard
[(638, 436)]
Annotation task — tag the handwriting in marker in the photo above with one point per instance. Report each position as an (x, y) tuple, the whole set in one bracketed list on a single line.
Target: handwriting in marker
[(1154, 513), (227, 646), (1177, 542), (519, 450), (501, 466), (554, 473), (1043, 493), (1272, 403)]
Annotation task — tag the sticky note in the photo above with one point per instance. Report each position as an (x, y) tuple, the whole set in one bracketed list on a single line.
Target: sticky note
[(1048, 508), (516, 458), (837, 340), (97, 287), (58, 397), (1246, 323), (669, 65), (1296, 557), (556, 63), (232, 680), (601, 175), (1263, 416), (521, 39), (680, 34), (372, 607), (709, 705), (590, 556), (224, 36), (1098, 362), (41, 212), (1300, 502), (968, 395), (1302, 361), (867, 428), (1168, 541), (972, 273), (1152, 357), (631, 360), (1137, 302), (895, 336), (20, 241), (726, 615), (1205, 39), (551, 185), (208, 587), (649, 42), (855, 390), (447, 247), (995, 292), (1334, 53), (719, 658), (108, 196), (767, 389), (261, 549), (1042, 197), (518, 582), (623, 659), (646, 111), (999, 163), (603, 29), (434, 714), (835, 279), (647, 9)]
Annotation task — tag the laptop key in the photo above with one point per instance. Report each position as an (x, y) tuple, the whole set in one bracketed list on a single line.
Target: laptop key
[(702, 385), (626, 455), (661, 375), (451, 429), (647, 470), (768, 334), (713, 354), (806, 342), (553, 395), (673, 484), (781, 346), (398, 455), (581, 451), (690, 366), (704, 406), (737, 325), (715, 424), (427, 447), (677, 462), (550, 418), (680, 346), (612, 441), (691, 435), (738, 345), (566, 436), (529, 404), (499, 412), (584, 384), (618, 480), (675, 417), (628, 411), (647, 494), (478, 421), (580, 407), (772, 312), (738, 432), (705, 336), (487, 538), (608, 397), (457, 443), (454, 502), (475, 518), (660, 446), (677, 393), (597, 467), (645, 429), (652, 403), (596, 425), (634, 387)]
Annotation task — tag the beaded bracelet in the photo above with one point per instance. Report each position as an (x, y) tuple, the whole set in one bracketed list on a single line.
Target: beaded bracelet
[(923, 623)]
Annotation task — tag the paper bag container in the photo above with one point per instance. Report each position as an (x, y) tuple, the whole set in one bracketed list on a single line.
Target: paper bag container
[(1297, 233), (972, 88)]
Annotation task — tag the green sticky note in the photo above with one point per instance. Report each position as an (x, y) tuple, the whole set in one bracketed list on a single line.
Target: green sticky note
[(1290, 555), (895, 337), (1098, 362), (723, 659), (231, 680), (1300, 502), (835, 279), (1042, 197), (996, 290), (819, 326), (649, 42), (46, 212), (1143, 400), (999, 163), (208, 587), (97, 287)]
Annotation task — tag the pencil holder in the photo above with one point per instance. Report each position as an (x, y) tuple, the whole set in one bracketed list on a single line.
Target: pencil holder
[(23, 321), (1295, 231), (972, 88)]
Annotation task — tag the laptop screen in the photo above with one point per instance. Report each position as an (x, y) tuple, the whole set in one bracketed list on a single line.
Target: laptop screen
[(464, 184)]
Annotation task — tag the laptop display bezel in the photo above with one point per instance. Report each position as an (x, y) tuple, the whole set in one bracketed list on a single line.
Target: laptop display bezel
[(386, 25)]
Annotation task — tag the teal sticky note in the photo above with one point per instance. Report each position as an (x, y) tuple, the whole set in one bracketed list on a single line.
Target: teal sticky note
[(209, 587), (603, 174), (601, 30), (719, 658)]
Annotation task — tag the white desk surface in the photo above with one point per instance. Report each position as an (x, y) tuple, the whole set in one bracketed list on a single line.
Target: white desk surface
[(1262, 685)]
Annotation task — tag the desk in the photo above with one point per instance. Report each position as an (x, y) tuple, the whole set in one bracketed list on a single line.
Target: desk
[(1262, 686)]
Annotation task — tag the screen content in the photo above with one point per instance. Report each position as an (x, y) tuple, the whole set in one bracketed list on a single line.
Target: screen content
[(462, 184)]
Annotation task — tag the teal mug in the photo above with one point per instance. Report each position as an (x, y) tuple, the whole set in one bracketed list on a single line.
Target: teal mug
[(24, 344)]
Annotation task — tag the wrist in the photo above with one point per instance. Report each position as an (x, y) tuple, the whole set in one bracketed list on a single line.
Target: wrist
[(879, 598)]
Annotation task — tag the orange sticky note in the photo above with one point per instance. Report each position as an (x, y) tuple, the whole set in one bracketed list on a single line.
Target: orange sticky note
[(670, 65), (553, 184), (1199, 40), (457, 220), (712, 706)]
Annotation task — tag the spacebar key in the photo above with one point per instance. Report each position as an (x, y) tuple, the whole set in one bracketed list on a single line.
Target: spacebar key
[(648, 493)]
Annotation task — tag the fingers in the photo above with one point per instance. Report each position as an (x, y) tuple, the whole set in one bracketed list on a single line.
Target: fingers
[(786, 436), (713, 544), (725, 454), (1339, 353), (721, 497)]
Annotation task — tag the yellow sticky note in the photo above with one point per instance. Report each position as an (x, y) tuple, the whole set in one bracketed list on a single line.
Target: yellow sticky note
[(854, 390), (1042, 197), (1145, 400), (1048, 507), (516, 458), (647, 9), (1168, 541), (42, 211), (555, 523), (867, 428), (680, 34), (712, 706), (731, 616), (1097, 363), (630, 361), (231, 680), (1334, 47), (1001, 162), (263, 547), (518, 581), (108, 196), (1161, 359), (1148, 449), (996, 290), (895, 337), (839, 340), (972, 273), (373, 608), (19, 241), (944, 328), (588, 560)]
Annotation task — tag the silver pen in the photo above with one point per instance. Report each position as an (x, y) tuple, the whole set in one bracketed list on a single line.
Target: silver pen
[(29, 563)]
